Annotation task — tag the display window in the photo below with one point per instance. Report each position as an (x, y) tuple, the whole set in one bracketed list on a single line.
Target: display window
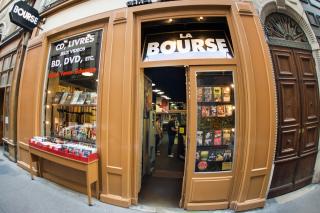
[(71, 93), (215, 121)]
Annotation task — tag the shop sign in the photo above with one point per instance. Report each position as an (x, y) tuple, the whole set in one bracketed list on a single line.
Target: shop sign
[(138, 2), (75, 56), (186, 45), (24, 15)]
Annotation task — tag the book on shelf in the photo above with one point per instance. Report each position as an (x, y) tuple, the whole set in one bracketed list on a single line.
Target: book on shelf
[(57, 97), (91, 98), (82, 98), (217, 137), (221, 111), (199, 138), (213, 111), (69, 98), (205, 111), (200, 94), (219, 155), (204, 155), (227, 155), (64, 98), (226, 136), (208, 138), (226, 94), (217, 94), (226, 166), (75, 97), (229, 110), (207, 94)]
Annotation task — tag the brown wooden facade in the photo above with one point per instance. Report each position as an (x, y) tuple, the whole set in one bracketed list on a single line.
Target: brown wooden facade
[(119, 111)]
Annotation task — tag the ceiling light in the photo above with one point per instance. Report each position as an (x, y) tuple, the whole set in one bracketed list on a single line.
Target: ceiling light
[(160, 93), (232, 85), (153, 84), (87, 74), (201, 18), (49, 92), (97, 80), (156, 90), (170, 20), (168, 98)]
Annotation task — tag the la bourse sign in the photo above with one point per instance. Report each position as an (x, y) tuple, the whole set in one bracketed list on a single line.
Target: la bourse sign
[(24, 15)]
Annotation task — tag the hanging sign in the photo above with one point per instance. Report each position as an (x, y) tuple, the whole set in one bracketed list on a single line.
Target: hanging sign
[(24, 15), (138, 2), (186, 45)]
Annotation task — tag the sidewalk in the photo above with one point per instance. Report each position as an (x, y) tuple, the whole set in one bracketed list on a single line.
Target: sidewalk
[(19, 194)]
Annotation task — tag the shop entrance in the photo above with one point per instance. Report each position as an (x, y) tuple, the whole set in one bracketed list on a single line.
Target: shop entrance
[(164, 136)]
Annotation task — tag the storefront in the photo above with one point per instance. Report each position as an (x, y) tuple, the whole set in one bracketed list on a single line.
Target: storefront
[(85, 82)]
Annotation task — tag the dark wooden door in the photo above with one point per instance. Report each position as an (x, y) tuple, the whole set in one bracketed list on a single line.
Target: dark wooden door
[(298, 119)]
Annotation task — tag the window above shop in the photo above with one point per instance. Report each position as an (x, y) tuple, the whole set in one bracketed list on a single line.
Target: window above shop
[(186, 38)]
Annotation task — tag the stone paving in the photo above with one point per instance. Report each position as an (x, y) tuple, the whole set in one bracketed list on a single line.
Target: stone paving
[(19, 194)]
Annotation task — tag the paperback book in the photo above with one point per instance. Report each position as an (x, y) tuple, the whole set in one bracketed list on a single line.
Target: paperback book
[(217, 94), (207, 94), (226, 94), (217, 137)]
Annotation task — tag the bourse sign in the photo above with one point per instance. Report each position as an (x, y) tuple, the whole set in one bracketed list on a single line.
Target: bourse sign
[(24, 15), (195, 44)]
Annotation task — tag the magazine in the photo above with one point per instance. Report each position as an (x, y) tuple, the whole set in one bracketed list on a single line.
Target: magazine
[(200, 94), (217, 137), (226, 94), (75, 97), (217, 94), (208, 139), (227, 155), (207, 94), (57, 97), (213, 111), (64, 98), (199, 138), (228, 110), (204, 155), (82, 98), (226, 139), (69, 98), (205, 111), (221, 111)]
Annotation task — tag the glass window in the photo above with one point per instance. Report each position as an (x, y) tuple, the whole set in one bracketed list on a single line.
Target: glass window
[(71, 95), (10, 77), (4, 79), (6, 64), (13, 61), (1, 63), (215, 121), (6, 112)]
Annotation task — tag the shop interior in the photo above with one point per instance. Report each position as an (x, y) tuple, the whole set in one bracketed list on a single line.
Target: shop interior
[(162, 174)]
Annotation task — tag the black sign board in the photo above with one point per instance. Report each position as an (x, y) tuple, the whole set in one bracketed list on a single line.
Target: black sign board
[(138, 2), (24, 15)]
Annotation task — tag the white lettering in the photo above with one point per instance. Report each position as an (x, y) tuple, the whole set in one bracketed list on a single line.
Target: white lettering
[(211, 45), (25, 14), (222, 46), (188, 35), (186, 48), (153, 48), (170, 44), (197, 45)]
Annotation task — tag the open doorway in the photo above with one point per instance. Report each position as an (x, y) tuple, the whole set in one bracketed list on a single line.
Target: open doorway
[(164, 118), (1, 114)]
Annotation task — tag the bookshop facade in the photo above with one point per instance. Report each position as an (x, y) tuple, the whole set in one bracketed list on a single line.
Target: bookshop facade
[(82, 98)]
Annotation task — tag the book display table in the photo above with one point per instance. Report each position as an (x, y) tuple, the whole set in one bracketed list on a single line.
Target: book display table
[(90, 167)]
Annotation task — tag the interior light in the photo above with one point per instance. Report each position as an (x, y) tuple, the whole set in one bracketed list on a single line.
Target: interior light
[(201, 18), (232, 85), (97, 80), (163, 96), (170, 20), (153, 84), (152, 103), (233, 107), (48, 106), (47, 122), (168, 98), (232, 129), (49, 92), (160, 93), (87, 74), (156, 90)]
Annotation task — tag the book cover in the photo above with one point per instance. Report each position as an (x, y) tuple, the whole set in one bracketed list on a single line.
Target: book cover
[(227, 155), (219, 155), (82, 98), (217, 94), (213, 111), (229, 110), (226, 138), (199, 138), (204, 155), (226, 94), (63, 98), (57, 97), (217, 137), (200, 94), (75, 97), (208, 138), (226, 166), (205, 111), (69, 98), (207, 94), (221, 111), (212, 156)]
